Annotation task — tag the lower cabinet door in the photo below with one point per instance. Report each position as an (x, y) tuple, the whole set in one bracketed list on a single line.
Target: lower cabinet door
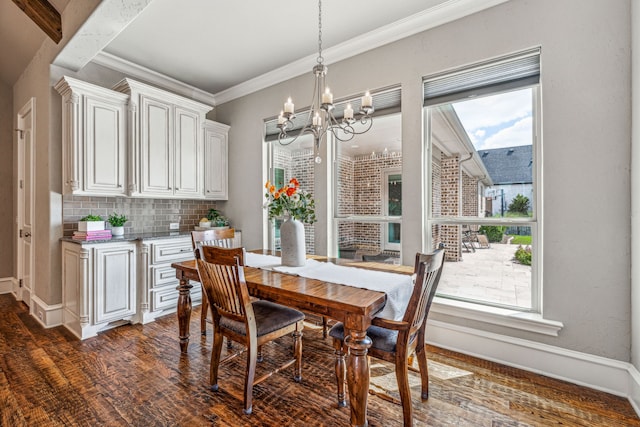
[(115, 282)]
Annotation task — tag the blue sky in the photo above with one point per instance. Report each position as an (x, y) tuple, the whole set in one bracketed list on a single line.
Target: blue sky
[(498, 121)]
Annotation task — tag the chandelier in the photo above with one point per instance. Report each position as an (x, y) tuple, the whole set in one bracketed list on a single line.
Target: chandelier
[(321, 119)]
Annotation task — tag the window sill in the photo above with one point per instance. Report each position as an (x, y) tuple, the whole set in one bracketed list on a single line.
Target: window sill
[(531, 322)]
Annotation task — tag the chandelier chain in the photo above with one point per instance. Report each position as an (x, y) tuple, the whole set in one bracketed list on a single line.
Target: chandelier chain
[(320, 59), (320, 120)]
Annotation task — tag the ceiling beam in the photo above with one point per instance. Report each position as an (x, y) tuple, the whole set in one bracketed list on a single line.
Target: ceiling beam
[(44, 15)]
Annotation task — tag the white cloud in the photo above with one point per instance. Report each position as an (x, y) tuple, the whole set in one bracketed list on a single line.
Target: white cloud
[(494, 110), (518, 134), (480, 133)]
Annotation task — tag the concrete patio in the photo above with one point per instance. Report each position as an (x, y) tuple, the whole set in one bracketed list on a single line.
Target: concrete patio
[(488, 275)]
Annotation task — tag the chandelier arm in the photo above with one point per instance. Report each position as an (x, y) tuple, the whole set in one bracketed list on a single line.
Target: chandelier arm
[(321, 120)]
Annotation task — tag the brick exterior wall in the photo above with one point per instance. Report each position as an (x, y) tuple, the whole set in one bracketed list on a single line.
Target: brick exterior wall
[(298, 164), (450, 206), (469, 195), (360, 186)]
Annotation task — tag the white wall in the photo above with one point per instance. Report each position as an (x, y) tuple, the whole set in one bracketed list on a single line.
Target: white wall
[(586, 142)]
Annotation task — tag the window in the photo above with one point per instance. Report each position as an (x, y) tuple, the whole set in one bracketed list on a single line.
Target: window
[(294, 160), (392, 199), (368, 192), (481, 124)]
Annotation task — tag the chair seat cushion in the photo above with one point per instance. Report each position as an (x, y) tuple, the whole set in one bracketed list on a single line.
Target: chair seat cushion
[(383, 339), (269, 317)]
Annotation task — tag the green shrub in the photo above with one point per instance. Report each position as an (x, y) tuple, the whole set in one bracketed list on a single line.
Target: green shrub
[(523, 255), (519, 205), (493, 232)]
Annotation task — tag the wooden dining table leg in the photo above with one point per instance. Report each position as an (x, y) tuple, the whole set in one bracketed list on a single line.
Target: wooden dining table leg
[(358, 375), (184, 312)]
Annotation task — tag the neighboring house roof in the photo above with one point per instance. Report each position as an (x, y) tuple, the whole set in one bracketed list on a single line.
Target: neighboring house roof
[(509, 165)]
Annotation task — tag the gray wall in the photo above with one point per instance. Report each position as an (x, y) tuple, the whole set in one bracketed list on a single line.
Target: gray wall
[(7, 214), (35, 82), (586, 139), (635, 188)]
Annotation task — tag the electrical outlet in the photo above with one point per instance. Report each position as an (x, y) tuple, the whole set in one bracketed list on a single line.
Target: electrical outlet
[(174, 226)]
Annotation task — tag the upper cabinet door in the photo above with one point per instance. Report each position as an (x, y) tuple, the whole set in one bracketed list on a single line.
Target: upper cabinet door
[(94, 143), (166, 133), (156, 147), (105, 145), (216, 184), (188, 154)]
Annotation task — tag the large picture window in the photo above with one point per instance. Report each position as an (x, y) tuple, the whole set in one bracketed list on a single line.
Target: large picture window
[(481, 124)]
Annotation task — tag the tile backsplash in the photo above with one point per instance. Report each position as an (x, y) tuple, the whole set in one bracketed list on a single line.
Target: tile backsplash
[(145, 215)]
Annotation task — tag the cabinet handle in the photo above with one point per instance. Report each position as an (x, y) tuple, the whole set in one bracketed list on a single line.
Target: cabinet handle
[(185, 250)]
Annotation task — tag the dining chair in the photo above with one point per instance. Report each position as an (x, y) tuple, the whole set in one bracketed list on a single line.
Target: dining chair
[(237, 317), (395, 341), (214, 237)]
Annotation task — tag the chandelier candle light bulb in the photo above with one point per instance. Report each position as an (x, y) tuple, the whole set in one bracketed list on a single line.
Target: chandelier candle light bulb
[(288, 106), (321, 120)]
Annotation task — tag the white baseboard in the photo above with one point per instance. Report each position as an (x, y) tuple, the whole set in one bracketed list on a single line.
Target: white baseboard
[(6, 285), (48, 315), (608, 375), (634, 388)]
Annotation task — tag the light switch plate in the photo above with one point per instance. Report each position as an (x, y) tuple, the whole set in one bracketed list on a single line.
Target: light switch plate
[(174, 226)]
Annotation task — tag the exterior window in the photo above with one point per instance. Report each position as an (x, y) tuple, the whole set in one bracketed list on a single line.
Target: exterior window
[(368, 193), (291, 161), (393, 208), (483, 181)]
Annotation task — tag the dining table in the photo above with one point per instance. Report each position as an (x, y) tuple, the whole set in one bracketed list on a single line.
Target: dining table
[(355, 307)]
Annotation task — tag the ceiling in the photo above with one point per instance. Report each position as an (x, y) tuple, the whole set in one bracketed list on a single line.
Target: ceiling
[(20, 39), (227, 48)]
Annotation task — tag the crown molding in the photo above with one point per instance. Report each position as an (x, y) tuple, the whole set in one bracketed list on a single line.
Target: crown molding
[(429, 18), (422, 21), (153, 77)]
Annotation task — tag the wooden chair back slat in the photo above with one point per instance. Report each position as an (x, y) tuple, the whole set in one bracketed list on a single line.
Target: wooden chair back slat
[(427, 270), (223, 281)]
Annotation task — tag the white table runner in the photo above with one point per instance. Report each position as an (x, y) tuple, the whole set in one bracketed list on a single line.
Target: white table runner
[(398, 287)]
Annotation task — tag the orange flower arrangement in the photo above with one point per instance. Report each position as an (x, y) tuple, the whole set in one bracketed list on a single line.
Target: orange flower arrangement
[(290, 200)]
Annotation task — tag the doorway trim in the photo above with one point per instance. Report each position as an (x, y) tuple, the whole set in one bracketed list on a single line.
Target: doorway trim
[(29, 109)]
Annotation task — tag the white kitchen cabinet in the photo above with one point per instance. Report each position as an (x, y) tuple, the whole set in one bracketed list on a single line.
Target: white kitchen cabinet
[(216, 184), (98, 286), (94, 124), (158, 282), (165, 133)]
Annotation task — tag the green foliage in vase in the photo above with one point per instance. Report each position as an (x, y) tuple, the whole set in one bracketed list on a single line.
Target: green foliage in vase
[(217, 219), (117, 220), (291, 201), (92, 218)]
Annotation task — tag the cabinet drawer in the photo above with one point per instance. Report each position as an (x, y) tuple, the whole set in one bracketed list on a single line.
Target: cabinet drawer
[(163, 275), (167, 297), (171, 251)]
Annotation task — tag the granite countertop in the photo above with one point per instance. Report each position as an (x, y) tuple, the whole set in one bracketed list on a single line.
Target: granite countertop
[(130, 237)]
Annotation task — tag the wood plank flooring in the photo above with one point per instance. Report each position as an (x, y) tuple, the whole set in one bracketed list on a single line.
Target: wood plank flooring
[(134, 375)]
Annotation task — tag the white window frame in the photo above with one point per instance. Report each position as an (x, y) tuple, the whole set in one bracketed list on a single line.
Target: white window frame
[(385, 244), (534, 222)]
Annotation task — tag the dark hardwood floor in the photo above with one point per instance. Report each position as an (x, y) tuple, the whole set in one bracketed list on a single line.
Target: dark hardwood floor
[(134, 375)]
